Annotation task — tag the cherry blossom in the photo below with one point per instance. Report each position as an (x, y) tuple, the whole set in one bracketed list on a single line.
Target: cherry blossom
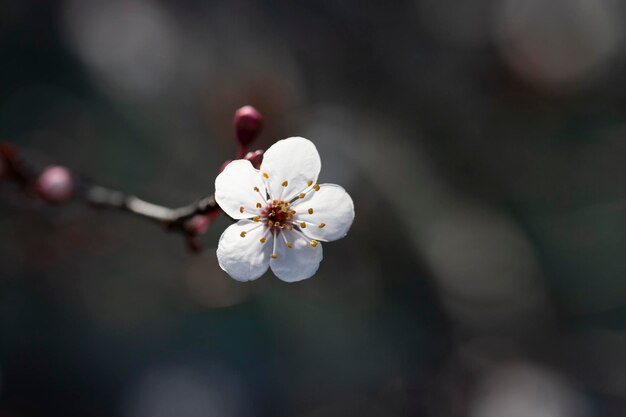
[(282, 213)]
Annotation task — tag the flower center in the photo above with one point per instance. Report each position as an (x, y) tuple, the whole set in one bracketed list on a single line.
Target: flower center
[(278, 215)]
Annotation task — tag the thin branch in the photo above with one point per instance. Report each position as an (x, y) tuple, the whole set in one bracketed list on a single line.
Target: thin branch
[(172, 218), (181, 219), (57, 185)]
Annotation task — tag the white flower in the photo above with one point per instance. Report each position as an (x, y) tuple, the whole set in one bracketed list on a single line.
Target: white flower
[(283, 213)]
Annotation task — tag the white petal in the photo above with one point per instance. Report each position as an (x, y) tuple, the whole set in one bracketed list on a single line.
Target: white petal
[(294, 160), (244, 258), (332, 206), (234, 188), (298, 262)]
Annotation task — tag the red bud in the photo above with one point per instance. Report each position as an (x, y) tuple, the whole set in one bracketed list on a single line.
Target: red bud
[(55, 184), (224, 165), (248, 125), (193, 245), (255, 158)]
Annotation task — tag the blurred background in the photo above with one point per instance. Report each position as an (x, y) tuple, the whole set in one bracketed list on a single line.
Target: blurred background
[(484, 145)]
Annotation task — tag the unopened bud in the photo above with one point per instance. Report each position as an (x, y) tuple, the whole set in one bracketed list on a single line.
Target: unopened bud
[(248, 125), (55, 184), (193, 245), (255, 158), (224, 165)]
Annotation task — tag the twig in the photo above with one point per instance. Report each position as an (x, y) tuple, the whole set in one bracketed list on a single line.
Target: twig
[(57, 185), (172, 218)]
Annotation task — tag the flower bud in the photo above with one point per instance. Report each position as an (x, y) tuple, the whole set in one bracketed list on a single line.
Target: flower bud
[(224, 165), (255, 158), (193, 245), (55, 184), (248, 125)]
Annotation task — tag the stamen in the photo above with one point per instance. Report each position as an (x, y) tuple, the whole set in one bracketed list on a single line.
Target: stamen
[(316, 187), (301, 195), (264, 237), (285, 183), (256, 218), (309, 183), (310, 211), (321, 225), (265, 175), (270, 223), (313, 243), (274, 255), (256, 189), (241, 209), (303, 225), (244, 232), (289, 244), (258, 205)]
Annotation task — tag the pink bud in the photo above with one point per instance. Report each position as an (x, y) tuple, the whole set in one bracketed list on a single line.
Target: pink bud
[(55, 184), (193, 245), (200, 223), (224, 165), (255, 158), (248, 125)]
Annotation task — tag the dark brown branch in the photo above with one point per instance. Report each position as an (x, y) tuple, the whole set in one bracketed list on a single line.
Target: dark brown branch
[(56, 185), (172, 218)]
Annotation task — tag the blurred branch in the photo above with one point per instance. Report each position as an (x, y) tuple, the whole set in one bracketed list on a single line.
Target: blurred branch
[(172, 218), (57, 185)]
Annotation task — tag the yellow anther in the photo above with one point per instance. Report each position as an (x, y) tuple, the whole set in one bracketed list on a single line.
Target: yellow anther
[(313, 243), (283, 209), (322, 225), (256, 189), (293, 212), (270, 223), (273, 256), (262, 240), (289, 245), (242, 234), (265, 175), (310, 211), (303, 225), (258, 205), (285, 183), (256, 218), (316, 187), (241, 209), (290, 216), (277, 224), (309, 183), (302, 195)]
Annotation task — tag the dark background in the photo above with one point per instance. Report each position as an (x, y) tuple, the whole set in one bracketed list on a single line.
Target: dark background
[(484, 145)]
